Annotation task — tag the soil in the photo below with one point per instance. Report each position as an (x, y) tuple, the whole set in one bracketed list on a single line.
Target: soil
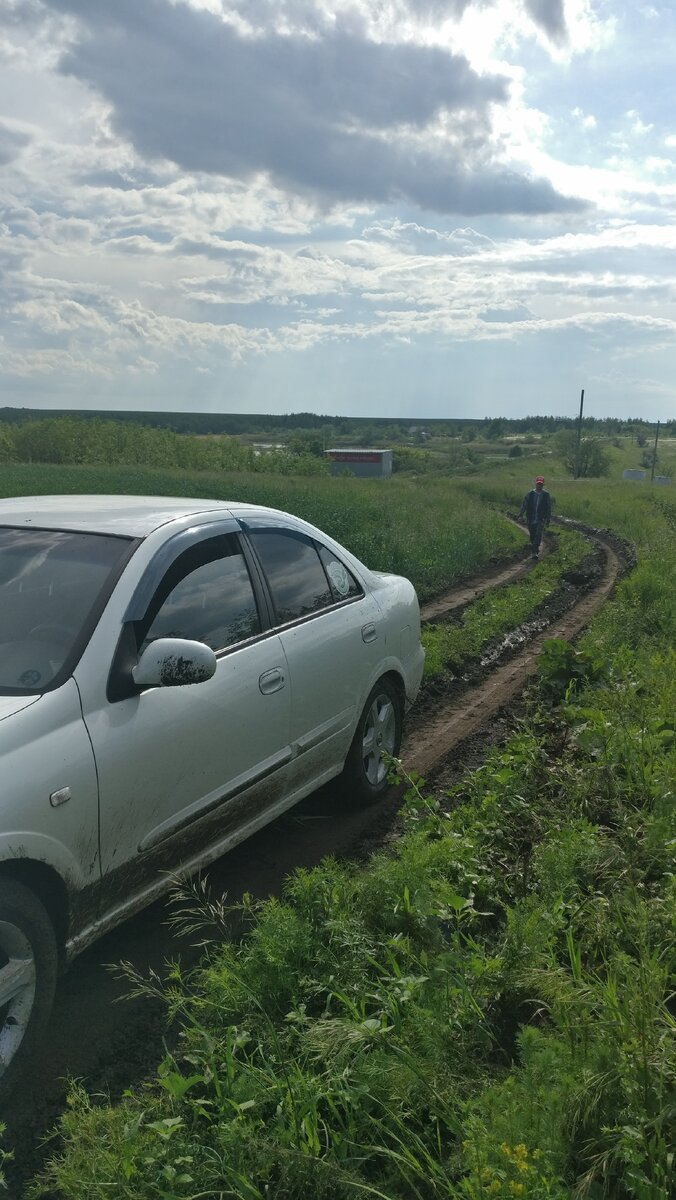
[(111, 1042)]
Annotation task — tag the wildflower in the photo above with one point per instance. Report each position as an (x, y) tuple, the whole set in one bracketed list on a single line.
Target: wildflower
[(516, 1188)]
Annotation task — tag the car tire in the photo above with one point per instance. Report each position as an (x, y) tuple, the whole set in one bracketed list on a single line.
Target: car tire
[(28, 970), (378, 732)]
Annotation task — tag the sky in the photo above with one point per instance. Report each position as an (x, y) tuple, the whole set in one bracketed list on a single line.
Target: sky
[(404, 208)]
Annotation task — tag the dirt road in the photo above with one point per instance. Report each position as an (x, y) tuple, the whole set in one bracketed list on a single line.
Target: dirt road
[(109, 1042)]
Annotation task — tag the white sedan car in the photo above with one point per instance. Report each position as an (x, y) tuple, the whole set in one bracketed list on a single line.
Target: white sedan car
[(173, 675)]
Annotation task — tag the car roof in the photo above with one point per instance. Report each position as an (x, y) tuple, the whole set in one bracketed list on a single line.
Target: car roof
[(126, 516)]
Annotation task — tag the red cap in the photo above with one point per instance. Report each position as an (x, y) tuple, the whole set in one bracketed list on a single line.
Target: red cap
[(540, 479)]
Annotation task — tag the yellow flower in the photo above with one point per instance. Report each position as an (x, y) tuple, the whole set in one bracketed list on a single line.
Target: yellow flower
[(521, 1165), (521, 1151), (506, 1149), (516, 1188), (496, 1186), (486, 1174), (537, 1154)]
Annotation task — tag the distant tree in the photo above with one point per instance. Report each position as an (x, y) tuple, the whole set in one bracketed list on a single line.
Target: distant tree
[(495, 430), (515, 451), (641, 439), (407, 458), (303, 442), (593, 459), (7, 449), (368, 437)]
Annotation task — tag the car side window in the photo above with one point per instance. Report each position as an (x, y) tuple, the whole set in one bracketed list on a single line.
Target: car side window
[(297, 580), (343, 583), (206, 596)]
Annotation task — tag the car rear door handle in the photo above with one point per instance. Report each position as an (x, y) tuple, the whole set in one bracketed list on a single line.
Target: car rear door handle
[(272, 681), (369, 632)]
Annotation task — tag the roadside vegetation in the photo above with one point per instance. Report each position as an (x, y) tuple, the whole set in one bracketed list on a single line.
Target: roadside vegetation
[(450, 644), (295, 444), (429, 534), (105, 443), (486, 1008)]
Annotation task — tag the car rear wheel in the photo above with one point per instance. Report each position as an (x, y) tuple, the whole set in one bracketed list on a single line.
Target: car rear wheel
[(377, 738), (28, 968)]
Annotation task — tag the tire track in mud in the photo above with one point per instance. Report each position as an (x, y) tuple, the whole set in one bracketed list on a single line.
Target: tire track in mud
[(458, 598), (111, 1042), (425, 749)]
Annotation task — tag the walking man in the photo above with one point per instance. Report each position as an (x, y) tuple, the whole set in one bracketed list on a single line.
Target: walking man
[(537, 508)]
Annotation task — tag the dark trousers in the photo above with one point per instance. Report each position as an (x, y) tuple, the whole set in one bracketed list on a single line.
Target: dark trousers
[(536, 529)]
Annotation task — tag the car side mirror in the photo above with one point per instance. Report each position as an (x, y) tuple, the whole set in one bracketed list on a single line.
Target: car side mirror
[(173, 662)]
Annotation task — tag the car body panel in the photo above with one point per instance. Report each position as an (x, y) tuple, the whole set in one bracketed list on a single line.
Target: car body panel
[(9, 705), (326, 655), (182, 751), (167, 779), (44, 749)]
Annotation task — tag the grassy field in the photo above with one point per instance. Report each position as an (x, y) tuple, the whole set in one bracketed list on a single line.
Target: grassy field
[(450, 644), (486, 1008), (428, 533)]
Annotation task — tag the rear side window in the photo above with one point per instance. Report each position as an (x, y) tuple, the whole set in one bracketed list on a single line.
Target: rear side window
[(343, 583), (297, 580)]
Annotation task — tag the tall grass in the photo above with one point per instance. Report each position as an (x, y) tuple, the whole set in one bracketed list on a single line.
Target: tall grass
[(425, 530), (449, 644)]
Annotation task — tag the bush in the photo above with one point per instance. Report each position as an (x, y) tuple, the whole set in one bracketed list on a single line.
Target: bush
[(590, 460)]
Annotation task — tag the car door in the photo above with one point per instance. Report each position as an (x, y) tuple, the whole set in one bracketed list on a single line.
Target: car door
[(331, 632), (182, 767)]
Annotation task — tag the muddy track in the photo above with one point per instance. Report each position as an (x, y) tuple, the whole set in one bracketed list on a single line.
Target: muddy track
[(487, 686), (112, 1045)]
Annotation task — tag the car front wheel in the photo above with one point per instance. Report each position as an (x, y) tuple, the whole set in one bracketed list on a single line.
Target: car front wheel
[(377, 738), (28, 968)]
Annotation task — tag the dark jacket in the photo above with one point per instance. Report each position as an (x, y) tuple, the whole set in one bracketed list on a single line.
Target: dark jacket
[(537, 506)]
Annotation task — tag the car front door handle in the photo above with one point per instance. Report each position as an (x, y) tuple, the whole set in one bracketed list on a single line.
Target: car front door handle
[(271, 681), (369, 632)]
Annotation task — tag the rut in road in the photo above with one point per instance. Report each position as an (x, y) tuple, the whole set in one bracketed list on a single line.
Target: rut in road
[(458, 598), (425, 748)]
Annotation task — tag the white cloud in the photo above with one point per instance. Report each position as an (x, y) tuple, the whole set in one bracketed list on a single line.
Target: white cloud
[(586, 120), (638, 127), (302, 212)]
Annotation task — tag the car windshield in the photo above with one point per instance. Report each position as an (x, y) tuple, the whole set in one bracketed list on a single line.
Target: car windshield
[(50, 583)]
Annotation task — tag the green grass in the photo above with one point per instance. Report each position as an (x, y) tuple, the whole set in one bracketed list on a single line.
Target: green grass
[(426, 530), (485, 1009), (486, 1004), (450, 644)]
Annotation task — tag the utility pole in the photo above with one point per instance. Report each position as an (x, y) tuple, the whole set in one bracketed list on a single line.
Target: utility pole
[(579, 438), (657, 434)]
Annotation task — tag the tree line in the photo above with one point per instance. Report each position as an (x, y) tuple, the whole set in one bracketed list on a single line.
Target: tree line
[(74, 440), (392, 429)]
